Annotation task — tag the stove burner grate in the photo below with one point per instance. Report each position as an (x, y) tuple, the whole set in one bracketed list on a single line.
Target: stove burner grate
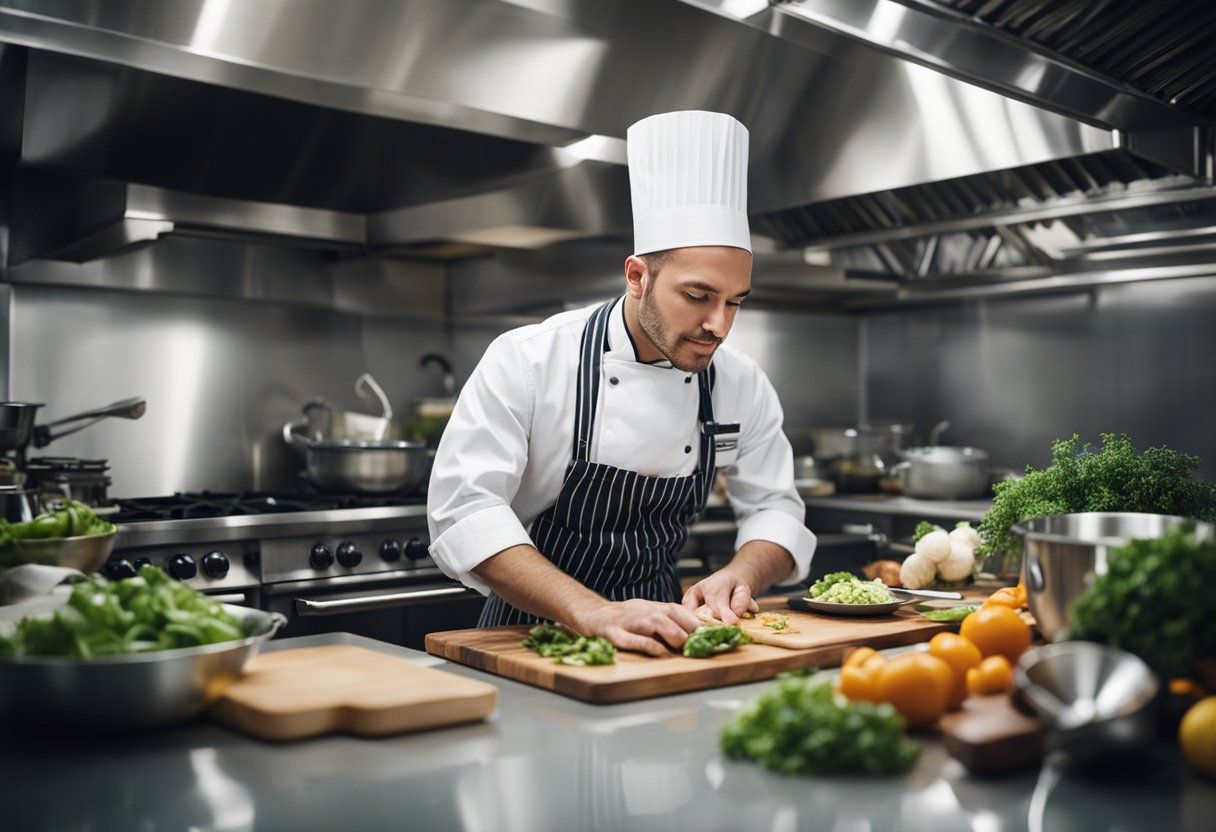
[(193, 505)]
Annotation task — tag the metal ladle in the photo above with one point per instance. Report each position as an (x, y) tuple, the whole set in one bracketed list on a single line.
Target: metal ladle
[(132, 408)]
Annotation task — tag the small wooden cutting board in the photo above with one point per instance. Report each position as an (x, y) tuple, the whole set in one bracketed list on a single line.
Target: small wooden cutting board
[(292, 694)]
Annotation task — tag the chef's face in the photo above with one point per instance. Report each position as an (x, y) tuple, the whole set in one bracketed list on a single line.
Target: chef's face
[(686, 307)]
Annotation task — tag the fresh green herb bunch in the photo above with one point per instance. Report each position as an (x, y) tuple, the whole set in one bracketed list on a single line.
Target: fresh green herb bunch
[(105, 618), (709, 639), (1153, 602), (1114, 478), (802, 727), (922, 529)]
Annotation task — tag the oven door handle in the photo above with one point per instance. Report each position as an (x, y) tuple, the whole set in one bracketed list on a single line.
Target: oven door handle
[(305, 606)]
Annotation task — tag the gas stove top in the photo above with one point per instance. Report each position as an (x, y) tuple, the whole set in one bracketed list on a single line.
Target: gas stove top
[(196, 505)]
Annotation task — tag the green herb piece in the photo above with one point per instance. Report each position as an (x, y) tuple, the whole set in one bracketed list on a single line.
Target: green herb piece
[(821, 586), (1081, 478), (947, 614), (106, 618), (800, 727), (1153, 602), (922, 529), (565, 648), (710, 639)]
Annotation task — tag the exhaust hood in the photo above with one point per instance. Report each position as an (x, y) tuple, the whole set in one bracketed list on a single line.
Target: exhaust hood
[(925, 142)]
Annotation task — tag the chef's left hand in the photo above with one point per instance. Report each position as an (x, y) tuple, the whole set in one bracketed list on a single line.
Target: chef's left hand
[(727, 596)]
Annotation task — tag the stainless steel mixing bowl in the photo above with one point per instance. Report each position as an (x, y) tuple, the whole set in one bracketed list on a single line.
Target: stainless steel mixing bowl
[(130, 692), (1063, 554), (86, 553), (1098, 703)]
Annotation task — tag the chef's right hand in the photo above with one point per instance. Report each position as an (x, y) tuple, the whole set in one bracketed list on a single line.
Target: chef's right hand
[(651, 627)]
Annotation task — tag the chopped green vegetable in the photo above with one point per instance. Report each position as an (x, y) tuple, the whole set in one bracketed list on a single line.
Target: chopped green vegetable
[(821, 586), (1115, 478), (922, 529), (948, 614), (709, 639), (800, 727), (102, 618), (775, 620), (72, 519), (1153, 602), (857, 592), (565, 648)]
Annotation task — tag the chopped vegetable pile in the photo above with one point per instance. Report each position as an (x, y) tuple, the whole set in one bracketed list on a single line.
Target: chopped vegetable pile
[(709, 639), (1115, 478), (775, 620), (847, 588), (565, 648), (802, 727), (102, 618), (821, 586), (1153, 602), (73, 519)]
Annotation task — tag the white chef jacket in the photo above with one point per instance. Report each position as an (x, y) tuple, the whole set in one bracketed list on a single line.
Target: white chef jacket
[(503, 455)]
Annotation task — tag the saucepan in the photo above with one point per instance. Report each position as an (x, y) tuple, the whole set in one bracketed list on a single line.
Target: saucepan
[(18, 431), (942, 472)]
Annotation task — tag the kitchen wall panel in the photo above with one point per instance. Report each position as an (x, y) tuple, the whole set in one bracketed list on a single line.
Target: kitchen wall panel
[(1013, 374), (221, 373)]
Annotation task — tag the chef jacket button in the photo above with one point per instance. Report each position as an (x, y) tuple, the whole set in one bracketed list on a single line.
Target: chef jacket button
[(688, 379), (613, 380), (688, 449)]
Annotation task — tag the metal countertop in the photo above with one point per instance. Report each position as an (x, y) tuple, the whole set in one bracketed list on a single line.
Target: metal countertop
[(545, 762)]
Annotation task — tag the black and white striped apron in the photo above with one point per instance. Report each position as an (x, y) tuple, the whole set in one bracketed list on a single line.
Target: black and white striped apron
[(616, 531)]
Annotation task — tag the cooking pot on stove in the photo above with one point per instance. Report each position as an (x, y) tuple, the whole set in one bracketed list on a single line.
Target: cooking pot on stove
[(18, 431), (376, 466)]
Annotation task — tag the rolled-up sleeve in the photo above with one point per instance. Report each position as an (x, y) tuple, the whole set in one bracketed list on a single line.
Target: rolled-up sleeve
[(478, 466)]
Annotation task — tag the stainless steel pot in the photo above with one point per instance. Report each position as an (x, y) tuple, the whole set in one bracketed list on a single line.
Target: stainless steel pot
[(944, 473), (374, 466)]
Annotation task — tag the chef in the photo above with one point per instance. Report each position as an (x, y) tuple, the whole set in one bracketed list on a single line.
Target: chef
[(582, 447)]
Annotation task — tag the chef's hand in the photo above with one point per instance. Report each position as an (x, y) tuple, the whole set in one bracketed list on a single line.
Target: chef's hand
[(727, 595), (651, 627)]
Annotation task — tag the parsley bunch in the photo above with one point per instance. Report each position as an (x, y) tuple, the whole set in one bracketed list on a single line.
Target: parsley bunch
[(1153, 601), (1082, 478), (801, 727)]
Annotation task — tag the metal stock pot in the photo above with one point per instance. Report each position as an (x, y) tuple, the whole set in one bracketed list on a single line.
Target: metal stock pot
[(375, 466), (944, 473)]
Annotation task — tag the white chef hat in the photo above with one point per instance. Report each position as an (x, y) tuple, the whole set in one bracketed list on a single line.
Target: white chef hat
[(688, 181)]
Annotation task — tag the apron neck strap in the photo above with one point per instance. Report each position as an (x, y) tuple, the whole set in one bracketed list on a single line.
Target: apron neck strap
[(590, 366)]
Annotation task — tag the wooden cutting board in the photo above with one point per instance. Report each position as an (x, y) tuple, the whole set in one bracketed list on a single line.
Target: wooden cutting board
[(821, 642), (292, 694)]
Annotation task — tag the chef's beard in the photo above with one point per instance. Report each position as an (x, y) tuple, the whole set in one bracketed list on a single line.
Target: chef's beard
[(668, 345)]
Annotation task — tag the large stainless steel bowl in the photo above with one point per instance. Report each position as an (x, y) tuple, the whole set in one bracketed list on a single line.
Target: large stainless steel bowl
[(1064, 553), (85, 553), (130, 692)]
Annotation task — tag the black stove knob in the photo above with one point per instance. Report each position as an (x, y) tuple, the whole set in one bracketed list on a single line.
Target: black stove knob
[(119, 570), (390, 550), (182, 567), (349, 554), (140, 563), (320, 557), (416, 549), (215, 564)]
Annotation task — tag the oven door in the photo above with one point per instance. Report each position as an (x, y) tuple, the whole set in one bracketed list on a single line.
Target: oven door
[(399, 610)]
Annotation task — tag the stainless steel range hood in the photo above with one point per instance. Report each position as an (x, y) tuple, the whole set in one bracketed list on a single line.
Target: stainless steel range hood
[(910, 139)]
